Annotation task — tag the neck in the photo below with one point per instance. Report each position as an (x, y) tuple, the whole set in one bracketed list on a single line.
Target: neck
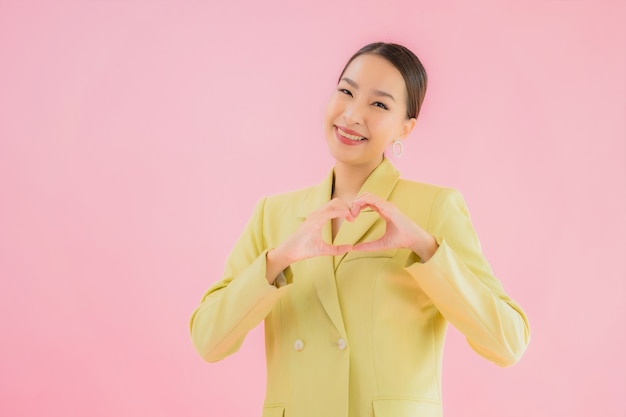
[(349, 179)]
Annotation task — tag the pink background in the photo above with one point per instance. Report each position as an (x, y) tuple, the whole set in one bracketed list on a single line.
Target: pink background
[(135, 138)]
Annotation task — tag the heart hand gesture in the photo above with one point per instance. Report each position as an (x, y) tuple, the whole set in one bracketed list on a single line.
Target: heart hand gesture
[(307, 241)]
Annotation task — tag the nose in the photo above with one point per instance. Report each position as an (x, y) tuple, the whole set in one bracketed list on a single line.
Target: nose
[(354, 112)]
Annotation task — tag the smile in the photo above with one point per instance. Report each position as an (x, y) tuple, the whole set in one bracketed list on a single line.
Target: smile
[(354, 138)]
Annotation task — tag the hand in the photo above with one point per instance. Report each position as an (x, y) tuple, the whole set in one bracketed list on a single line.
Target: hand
[(401, 232), (307, 242)]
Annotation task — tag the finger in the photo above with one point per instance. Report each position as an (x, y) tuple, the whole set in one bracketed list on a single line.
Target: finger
[(330, 205), (335, 250), (336, 212), (341, 249), (371, 246), (386, 209), (341, 212), (334, 204), (381, 210), (337, 203), (369, 200), (320, 218)]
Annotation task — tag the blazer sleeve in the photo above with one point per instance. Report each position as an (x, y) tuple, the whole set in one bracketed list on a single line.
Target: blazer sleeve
[(240, 301), (461, 284)]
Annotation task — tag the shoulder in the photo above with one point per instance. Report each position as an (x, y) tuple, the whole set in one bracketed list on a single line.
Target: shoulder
[(427, 193), (289, 202), (426, 201)]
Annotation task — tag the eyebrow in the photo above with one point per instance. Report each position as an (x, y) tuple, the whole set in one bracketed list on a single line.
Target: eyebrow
[(376, 92)]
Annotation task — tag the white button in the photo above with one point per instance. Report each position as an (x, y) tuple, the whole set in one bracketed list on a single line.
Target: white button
[(298, 345), (341, 344)]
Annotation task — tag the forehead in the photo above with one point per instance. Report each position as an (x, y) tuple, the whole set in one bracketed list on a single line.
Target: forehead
[(375, 72)]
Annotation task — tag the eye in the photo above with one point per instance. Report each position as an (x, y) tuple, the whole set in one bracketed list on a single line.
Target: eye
[(345, 91), (381, 105)]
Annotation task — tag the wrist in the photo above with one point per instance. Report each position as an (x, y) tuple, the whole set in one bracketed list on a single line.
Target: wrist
[(276, 262), (278, 257), (425, 246)]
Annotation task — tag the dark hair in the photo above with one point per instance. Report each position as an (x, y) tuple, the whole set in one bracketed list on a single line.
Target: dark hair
[(409, 66)]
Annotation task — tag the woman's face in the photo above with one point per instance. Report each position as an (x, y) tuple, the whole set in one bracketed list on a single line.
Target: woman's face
[(367, 111)]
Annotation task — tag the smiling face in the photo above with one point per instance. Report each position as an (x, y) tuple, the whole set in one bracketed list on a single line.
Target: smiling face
[(367, 112)]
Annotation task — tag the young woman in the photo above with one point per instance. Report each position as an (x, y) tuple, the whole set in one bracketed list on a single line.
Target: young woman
[(357, 277)]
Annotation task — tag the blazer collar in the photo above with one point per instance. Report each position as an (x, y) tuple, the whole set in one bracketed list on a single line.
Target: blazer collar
[(380, 182)]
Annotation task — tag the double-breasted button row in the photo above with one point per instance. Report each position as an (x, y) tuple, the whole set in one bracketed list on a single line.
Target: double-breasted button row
[(298, 344)]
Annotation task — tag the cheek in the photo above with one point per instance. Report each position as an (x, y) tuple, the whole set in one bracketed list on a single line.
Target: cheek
[(334, 108), (394, 125), (330, 116), (329, 112), (387, 129)]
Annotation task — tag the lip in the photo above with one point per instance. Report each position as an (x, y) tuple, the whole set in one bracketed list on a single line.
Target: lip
[(349, 132), (347, 141)]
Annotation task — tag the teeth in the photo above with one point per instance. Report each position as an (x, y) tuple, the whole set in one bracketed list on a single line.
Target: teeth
[(351, 137)]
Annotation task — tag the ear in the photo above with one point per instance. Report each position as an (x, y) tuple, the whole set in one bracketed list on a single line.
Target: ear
[(407, 127)]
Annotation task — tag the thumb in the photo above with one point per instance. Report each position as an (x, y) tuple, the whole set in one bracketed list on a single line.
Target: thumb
[(369, 246), (341, 249)]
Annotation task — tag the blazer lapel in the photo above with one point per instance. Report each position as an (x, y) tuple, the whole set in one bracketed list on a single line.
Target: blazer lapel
[(321, 267), (381, 182)]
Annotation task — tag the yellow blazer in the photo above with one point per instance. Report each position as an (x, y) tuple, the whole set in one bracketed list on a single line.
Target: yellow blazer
[(360, 335)]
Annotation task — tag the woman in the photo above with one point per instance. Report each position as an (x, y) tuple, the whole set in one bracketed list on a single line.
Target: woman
[(357, 277)]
